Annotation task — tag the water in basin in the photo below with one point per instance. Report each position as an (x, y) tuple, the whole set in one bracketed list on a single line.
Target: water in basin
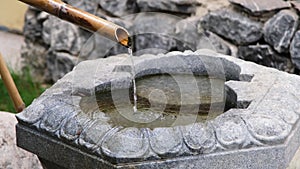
[(163, 100)]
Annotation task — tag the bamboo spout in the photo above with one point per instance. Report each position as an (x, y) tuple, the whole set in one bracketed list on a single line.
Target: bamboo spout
[(83, 19)]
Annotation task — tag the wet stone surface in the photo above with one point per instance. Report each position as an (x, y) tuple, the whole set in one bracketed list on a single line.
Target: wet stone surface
[(262, 127)]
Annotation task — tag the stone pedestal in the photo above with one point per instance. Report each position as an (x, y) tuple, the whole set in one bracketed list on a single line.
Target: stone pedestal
[(261, 131)]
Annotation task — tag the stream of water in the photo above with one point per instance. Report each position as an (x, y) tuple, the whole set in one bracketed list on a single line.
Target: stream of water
[(133, 80)]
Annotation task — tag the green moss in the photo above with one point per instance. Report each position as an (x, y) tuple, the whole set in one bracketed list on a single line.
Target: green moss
[(28, 89)]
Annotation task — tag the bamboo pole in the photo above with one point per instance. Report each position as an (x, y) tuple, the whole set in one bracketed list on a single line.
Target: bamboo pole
[(10, 86), (83, 19)]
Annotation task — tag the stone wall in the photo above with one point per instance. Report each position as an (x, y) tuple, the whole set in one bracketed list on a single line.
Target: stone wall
[(265, 32)]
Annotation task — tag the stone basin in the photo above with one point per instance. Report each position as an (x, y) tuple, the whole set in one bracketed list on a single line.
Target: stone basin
[(256, 124), (168, 95)]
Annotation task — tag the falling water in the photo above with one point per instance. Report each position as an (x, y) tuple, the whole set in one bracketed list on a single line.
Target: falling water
[(133, 80)]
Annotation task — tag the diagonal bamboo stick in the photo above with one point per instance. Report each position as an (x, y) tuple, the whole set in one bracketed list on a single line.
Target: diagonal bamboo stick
[(10, 86), (83, 19)]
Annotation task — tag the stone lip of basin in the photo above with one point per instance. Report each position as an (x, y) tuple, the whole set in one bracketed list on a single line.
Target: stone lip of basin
[(265, 134)]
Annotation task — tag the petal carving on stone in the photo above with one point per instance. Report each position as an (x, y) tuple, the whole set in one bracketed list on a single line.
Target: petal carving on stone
[(266, 128)]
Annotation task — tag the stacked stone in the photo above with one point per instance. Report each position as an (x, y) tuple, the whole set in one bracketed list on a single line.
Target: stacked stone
[(54, 46), (265, 32)]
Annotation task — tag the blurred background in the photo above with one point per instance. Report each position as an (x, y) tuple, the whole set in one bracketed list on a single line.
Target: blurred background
[(12, 17), (12, 14)]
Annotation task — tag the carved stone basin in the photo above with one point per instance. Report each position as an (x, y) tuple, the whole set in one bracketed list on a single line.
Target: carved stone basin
[(195, 110), (167, 94)]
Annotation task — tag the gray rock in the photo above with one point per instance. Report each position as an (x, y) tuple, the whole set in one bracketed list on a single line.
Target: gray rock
[(35, 48), (90, 6), (178, 6), (77, 42), (99, 47), (186, 31), (34, 57), (69, 42), (46, 32), (295, 50), (12, 156), (264, 55), (258, 7), (33, 25), (59, 64), (67, 39), (119, 8), (279, 30), (64, 45), (153, 33), (46, 35), (154, 22), (232, 26), (213, 42), (190, 36)]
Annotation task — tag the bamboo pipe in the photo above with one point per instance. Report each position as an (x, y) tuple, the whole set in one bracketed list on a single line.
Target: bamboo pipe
[(10, 86), (83, 19)]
